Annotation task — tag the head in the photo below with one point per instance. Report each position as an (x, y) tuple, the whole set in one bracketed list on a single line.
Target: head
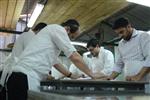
[(38, 27), (72, 28), (94, 47), (123, 28)]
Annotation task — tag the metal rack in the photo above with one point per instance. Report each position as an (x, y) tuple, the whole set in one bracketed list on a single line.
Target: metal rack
[(93, 87)]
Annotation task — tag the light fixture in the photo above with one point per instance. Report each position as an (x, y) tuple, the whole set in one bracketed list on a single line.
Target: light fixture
[(37, 11), (141, 2)]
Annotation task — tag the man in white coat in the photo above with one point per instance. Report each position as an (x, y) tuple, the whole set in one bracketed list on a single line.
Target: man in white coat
[(133, 51), (25, 38), (20, 44), (102, 59), (42, 52)]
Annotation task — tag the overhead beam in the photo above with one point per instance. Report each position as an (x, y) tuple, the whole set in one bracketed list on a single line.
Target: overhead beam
[(10, 31)]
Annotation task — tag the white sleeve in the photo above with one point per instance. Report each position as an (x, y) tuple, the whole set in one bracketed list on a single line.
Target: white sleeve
[(108, 63), (145, 46), (73, 69), (18, 46), (61, 39), (118, 64)]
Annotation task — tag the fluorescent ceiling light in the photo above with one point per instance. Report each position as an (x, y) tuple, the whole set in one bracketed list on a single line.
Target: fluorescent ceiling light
[(141, 2), (37, 11)]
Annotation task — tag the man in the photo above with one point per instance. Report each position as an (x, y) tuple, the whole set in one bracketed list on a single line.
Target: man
[(102, 60), (19, 46), (42, 52), (23, 40), (133, 51)]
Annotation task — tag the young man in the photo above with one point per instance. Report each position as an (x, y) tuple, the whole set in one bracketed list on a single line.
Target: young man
[(21, 43), (133, 51), (42, 52), (102, 60), (24, 39)]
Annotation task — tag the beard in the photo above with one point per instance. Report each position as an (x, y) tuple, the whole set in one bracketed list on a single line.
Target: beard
[(128, 37), (94, 54)]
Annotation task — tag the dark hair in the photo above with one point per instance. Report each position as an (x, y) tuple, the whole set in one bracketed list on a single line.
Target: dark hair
[(93, 43), (120, 22), (39, 26), (73, 24)]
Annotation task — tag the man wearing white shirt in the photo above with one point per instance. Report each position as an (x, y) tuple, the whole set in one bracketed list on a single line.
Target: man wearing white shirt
[(20, 44), (42, 52), (24, 39), (133, 51), (102, 60)]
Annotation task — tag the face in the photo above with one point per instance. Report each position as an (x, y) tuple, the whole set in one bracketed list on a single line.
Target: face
[(73, 35), (124, 32), (94, 51)]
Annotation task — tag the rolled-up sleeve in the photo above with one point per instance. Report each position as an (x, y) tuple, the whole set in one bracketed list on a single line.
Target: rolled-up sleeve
[(118, 64), (145, 46), (108, 63)]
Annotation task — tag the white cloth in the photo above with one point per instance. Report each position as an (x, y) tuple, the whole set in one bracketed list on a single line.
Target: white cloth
[(20, 44), (75, 70), (133, 54), (56, 73), (103, 63), (42, 53), (22, 41)]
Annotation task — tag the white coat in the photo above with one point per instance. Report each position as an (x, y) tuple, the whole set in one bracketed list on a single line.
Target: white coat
[(20, 44), (42, 53)]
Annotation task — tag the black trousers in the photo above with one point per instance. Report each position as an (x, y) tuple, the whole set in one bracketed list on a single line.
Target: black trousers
[(17, 87)]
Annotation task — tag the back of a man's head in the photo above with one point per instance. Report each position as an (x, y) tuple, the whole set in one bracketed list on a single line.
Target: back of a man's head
[(120, 22), (39, 26), (93, 43), (73, 24)]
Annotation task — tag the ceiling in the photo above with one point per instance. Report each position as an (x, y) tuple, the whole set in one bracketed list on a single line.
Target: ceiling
[(10, 11), (87, 12), (137, 14)]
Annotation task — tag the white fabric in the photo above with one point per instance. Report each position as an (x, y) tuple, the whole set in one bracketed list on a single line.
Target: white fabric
[(56, 73), (18, 48), (22, 41), (133, 54), (75, 69), (104, 62), (42, 53)]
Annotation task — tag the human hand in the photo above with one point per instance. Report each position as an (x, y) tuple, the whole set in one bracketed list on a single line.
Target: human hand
[(133, 78), (49, 77), (99, 75), (75, 76)]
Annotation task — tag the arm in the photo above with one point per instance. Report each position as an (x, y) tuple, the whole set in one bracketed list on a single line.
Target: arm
[(63, 42), (144, 71), (113, 75), (78, 61), (117, 69), (64, 71), (144, 43), (108, 63)]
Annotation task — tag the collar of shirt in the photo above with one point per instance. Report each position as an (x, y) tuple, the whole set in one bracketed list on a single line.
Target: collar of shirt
[(134, 34), (100, 53)]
